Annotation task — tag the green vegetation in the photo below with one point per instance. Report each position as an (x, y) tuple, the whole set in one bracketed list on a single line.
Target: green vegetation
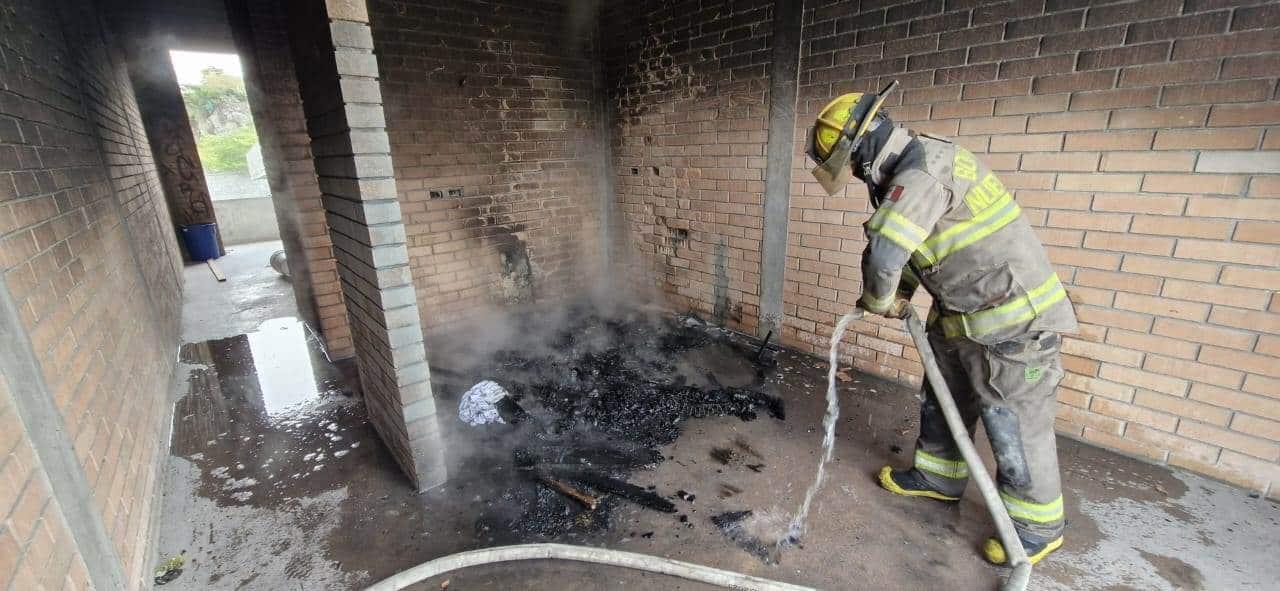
[(215, 89), (219, 112), (226, 152)]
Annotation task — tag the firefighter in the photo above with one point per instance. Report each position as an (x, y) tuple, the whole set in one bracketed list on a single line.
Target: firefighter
[(944, 220)]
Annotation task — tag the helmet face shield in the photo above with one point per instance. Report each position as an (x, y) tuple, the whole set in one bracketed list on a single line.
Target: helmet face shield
[(836, 170)]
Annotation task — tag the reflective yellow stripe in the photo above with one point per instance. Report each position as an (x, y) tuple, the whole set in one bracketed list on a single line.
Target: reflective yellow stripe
[(875, 304), (1015, 311), (945, 243), (897, 228), (953, 469), (909, 282), (1037, 512)]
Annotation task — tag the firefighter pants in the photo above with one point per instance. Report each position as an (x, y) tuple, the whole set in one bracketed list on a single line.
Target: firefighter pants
[(1011, 386)]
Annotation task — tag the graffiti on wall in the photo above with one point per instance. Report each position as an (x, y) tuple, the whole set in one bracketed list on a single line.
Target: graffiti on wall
[(180, 170)]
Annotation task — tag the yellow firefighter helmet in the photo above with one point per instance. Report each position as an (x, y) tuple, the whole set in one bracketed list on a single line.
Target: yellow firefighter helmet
[(838, 130)]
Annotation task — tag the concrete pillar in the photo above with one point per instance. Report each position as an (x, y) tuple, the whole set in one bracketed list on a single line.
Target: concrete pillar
[(777, 175), (338, 77), (173, 145)]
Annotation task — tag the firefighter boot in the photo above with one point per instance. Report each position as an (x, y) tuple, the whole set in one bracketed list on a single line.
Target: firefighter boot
[(912, 484), (994, 552)]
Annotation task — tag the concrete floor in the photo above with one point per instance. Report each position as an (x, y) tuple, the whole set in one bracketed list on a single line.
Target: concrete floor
[(278, 481)]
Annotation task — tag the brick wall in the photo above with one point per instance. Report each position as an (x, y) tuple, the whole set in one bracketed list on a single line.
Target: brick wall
[(1139, 138), (35, 544), (81, 219), (272, 85), (687, 88), (497, 98)]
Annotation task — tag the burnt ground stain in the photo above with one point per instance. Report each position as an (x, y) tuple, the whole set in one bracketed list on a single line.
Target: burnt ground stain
[(1179, 574), (599, 399), (723, 455), (728, 456), (731, 525)]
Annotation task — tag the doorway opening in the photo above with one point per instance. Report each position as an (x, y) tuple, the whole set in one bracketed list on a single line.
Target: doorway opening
[(217, 106)]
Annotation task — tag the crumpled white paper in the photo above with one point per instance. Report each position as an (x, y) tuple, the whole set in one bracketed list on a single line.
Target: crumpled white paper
[(479, 404)]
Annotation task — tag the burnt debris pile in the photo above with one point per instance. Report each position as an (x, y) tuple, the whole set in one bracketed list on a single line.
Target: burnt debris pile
[(593, 402)]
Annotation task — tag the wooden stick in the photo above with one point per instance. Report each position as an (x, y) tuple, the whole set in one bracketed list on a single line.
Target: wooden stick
[(217, 273), (589, 501)]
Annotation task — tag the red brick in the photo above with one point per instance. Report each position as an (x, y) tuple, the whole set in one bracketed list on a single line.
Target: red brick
[(1214, 93), (1109, 141), (1144, 379), (1097, 387), (1253, 66), (1258, 17), (1251, 277), (1128, 12), (1162, 306), (1229, 440), (1251, 362), (987, 125), (1261, 385), (1245, 319), (1080, 121), (1113, 99), (1139, 203), (1207, 139), (1180, 445), (1216, 294), (1170, 73), (1061, 161), (1152, 344), (1038, 66), (1137, 414), (1264, 186), (1183, 227), (1117, 281), (1004, 52), (1179, 27), (1101, 352), (1149, 161), (1251, 209), (1099, 59), (1032, 104), (1077, 82), (1112, 183), (1267, 408), (1199, 332), (980, 90), (1221, 45), (1193, 183), (1182, 407), (1159, 118), (1237, 115), (1248, 254), (1102, 423), (1057, 42), (1197, 372), (1128, 243), (963, 109)]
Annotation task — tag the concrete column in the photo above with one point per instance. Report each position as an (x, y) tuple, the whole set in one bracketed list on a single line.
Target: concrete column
[(779, 153), (173, 145), (338, 77)]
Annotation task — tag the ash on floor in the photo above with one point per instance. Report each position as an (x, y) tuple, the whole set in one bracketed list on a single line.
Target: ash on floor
[(593, 399)]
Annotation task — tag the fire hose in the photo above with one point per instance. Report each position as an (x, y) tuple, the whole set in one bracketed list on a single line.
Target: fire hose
[(631, 560), (1021, 574), (1017, 581)]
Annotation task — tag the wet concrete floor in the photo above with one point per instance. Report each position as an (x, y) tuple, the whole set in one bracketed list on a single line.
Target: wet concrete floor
[(278, 481)]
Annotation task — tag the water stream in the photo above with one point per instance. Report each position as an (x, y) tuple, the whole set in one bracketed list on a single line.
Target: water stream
[(797, 527)]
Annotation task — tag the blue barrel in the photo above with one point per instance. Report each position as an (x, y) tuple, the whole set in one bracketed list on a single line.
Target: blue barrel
[(201, 241)]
